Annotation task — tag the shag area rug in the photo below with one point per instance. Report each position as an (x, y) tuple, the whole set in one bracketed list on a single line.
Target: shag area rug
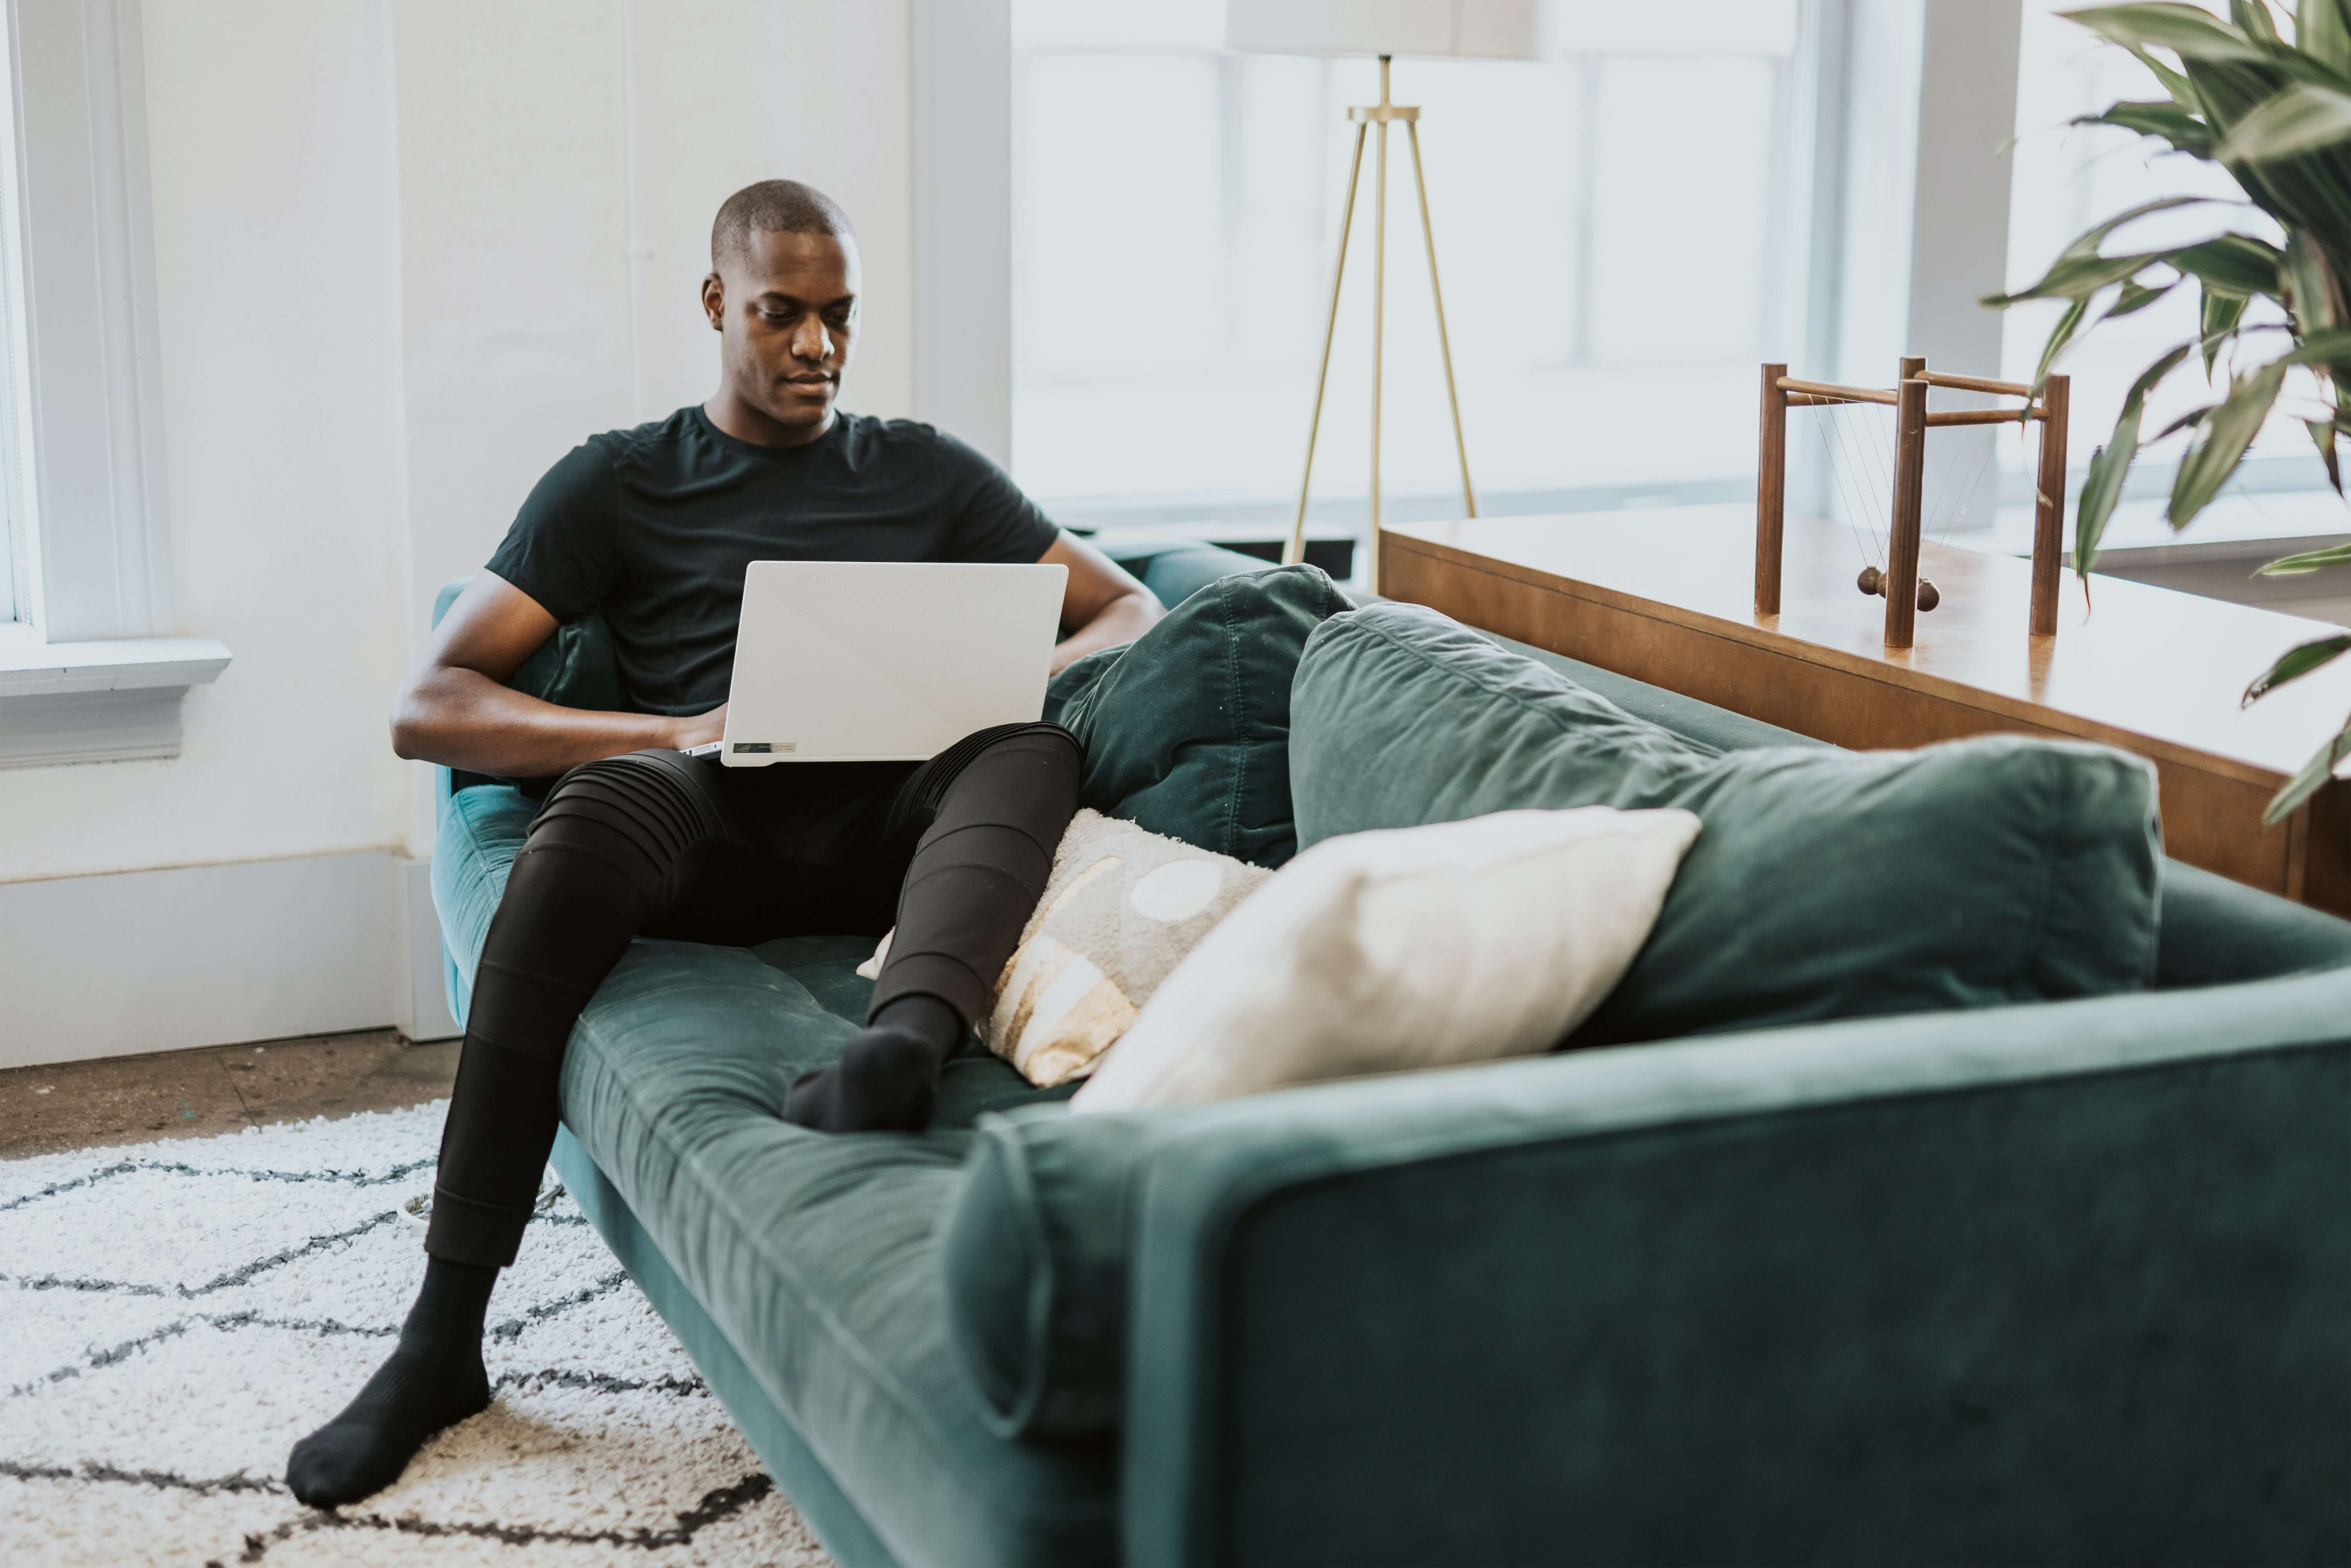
[(174, 1315)]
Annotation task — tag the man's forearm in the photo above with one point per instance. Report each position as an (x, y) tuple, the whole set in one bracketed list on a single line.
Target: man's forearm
[(460, 718), (1122, 620)]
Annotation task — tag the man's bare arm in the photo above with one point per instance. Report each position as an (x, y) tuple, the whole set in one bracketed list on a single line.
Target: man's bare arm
[(457, 710), (1103, 606)]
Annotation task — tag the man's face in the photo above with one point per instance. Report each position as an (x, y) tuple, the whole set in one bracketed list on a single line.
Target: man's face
[(786, 310)]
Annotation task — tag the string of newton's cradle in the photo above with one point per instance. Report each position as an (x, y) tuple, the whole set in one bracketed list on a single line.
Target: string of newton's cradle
[(1831, 429), (1867, 466)]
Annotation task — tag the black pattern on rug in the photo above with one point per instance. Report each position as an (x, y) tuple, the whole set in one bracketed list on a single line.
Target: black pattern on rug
[(178, 1319)]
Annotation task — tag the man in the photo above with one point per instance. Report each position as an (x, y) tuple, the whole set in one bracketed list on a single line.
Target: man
[(653, 527)]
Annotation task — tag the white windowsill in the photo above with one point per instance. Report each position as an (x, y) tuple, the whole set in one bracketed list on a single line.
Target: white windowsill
[(112, 701)]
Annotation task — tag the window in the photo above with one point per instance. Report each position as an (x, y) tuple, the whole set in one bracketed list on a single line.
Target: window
[(1614, 230), (89, 669)]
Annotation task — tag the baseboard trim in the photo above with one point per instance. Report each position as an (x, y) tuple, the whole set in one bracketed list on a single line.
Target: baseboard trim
[(134, 962)]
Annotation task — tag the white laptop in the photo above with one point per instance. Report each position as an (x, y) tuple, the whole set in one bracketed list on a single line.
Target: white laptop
[(886, 660)]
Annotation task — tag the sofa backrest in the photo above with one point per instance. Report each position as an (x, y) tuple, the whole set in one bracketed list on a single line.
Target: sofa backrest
[(2213, 931)]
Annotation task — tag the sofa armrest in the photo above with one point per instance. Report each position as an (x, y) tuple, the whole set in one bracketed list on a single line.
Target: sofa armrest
[(2060, 1281)]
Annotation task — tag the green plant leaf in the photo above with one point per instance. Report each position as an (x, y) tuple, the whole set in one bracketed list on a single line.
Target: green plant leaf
[(2111, 463), (2137, 296), (2303, 119), (2314, 777), (2221, 444), (2322, 434), (2159, 118), (2295, 663), (2322, 29), (2088, 242), (2059, 336), (2072, 278), (2312, 296), (2233, 263), (2330, 347), (2182, 91), (2189, 421), (2079, 268), (2253, 19), (2307, 562), (2188, 31), (2221, 314)]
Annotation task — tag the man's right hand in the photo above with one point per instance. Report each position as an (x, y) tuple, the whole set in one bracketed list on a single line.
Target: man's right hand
[(457, 710), (702, 729)]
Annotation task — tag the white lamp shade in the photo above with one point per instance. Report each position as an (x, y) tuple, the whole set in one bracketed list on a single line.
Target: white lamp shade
[(1482, 29)]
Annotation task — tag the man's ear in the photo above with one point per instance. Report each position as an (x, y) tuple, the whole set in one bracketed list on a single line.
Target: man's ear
[(714, 302)]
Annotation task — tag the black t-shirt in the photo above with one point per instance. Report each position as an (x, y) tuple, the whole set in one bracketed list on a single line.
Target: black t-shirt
[(654, 527)]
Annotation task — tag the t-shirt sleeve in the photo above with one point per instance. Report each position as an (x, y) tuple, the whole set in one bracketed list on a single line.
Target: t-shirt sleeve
[(564, 549), (990, 519)]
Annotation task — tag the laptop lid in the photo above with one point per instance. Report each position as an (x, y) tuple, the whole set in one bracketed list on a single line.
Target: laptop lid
[(886, 660)]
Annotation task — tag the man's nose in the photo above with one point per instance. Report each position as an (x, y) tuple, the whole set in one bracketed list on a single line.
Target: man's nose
[(809, 340)]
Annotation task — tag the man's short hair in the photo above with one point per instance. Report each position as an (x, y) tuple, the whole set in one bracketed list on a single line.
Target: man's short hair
[(773, 206)]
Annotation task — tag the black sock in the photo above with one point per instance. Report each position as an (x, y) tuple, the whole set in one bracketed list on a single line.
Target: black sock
[(888, 1077), (434, 1378)]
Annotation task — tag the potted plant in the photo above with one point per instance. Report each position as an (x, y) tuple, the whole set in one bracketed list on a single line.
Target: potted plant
[(2275, 113)]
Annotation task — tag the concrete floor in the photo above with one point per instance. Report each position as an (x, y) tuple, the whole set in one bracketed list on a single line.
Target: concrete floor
[(219, 1089)]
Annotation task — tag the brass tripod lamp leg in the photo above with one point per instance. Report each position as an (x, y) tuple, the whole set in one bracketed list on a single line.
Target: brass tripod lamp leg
[(1379, 315), (1444, 343), (1295, 550)]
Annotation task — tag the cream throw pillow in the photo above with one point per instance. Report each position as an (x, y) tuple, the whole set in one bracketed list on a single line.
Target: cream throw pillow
[(1403, 949), (1122, 907)]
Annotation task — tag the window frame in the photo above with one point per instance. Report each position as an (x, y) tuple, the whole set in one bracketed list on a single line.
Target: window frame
[(89, 669)]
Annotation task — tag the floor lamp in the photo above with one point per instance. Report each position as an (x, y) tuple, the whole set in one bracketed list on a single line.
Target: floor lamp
[(1479, 29)]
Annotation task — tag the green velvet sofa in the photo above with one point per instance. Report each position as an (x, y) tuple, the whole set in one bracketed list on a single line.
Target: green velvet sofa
[(2057, 1282)]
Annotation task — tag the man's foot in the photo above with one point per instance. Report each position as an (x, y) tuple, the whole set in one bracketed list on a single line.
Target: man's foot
[(888, 1076), (434, 1379)]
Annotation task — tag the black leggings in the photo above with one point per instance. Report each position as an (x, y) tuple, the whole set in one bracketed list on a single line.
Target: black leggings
[(659, 844)]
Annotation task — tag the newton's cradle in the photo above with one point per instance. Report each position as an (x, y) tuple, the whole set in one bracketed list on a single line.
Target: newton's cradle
[(1899, 580)]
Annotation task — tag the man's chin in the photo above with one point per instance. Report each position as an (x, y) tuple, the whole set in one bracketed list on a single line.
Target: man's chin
[(799, 409)]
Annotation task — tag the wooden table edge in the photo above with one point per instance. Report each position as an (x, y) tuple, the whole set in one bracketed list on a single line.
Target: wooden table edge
[(1767, 640)]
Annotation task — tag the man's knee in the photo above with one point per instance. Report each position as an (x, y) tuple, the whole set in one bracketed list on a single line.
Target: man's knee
[(641, 812), (1025, 780)]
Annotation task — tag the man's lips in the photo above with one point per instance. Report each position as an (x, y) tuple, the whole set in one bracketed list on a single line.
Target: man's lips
[(807, 384)]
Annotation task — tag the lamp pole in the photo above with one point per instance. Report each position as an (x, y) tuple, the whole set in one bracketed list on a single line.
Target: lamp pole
[(1382, 114)]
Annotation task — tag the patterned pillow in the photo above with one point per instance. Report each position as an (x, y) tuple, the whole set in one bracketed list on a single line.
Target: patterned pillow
[(1120, 910)]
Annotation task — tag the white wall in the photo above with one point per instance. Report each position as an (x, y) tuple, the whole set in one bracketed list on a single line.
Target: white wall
[(273, 232), (395, 282)]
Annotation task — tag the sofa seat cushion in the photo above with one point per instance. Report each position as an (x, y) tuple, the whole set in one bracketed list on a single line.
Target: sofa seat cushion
[(1827, 884), (818, 1256)]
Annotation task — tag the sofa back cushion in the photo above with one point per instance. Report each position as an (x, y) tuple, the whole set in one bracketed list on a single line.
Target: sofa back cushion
[(1187, 729), (2214, 931), (1827, 884)]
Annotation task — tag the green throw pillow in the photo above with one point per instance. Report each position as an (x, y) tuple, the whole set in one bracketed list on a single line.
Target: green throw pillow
[(1823, 884), (1187, 729)]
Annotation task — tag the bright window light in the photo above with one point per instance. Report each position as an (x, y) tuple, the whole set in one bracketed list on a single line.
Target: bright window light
[(1612, 229)]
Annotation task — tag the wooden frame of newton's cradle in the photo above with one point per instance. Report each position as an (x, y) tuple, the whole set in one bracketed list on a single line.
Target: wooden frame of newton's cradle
[(1899, 580)]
